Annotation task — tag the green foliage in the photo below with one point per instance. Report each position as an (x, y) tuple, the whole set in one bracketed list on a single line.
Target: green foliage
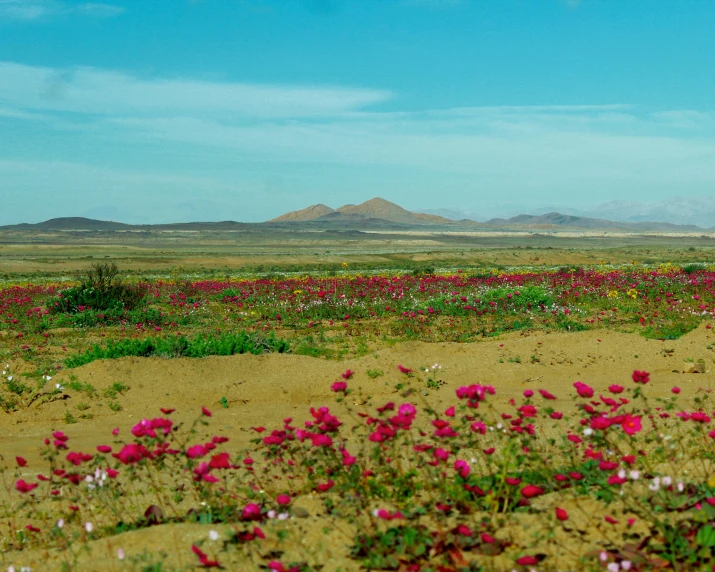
[(396, 546), (101, 289), (181, 346)]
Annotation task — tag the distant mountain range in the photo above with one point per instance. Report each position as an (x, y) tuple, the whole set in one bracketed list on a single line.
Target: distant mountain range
[(698, 211), (375, 214)]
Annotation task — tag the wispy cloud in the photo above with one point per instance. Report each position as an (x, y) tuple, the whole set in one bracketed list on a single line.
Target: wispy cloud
[(94, 91), (29, 10)]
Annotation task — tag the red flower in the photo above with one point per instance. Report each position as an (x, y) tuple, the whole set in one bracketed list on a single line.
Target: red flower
[(25, 487), (583, 389), (339, 386), (404, 369), (561, 514), (166, 411), (615, 388), (347, 374), (204, 559), (641, 377), (104, 448), (132, 453), (487, 538), (206, 412), (527, 561), (283, 499), (531, 491), (20, 462), (546, 395)]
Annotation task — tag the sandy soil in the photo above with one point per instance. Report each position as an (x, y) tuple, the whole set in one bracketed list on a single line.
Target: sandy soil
[(262, 390)]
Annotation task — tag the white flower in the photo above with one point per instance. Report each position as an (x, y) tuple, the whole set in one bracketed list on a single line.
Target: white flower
[(681, 486), (89, 527), (613, 567), (667, 481), (9, 378), (603, 556), (120, 553), (626, 565), (283, 516), (635, 475), (213, 535), (622, 474), (655, 485), (60, 523), (588, 431), (272, 513)]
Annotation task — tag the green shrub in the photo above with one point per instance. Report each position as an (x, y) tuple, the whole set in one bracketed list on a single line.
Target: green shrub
[(102, 289), (181, 346)]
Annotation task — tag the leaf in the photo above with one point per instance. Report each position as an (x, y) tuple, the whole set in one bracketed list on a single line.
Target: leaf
[(706, 536)]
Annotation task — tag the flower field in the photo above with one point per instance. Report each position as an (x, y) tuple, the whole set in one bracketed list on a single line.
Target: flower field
[(576, 458)]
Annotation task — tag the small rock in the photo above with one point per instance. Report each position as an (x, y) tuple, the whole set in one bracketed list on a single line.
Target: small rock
[(696, 367), (300, 512)]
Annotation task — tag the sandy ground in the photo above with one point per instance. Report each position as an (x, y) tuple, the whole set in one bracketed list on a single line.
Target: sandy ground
[(262, 390)]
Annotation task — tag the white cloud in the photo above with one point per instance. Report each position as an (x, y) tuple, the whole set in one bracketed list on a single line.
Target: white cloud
[(29, 10), (95, 91)]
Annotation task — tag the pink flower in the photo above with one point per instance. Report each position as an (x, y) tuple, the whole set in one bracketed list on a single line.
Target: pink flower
[(407, 409), (462, 467), (631, 424), (450, 411), (339, 386), (527, 561), (25, 487), (104, 448), (283, 499), (251, 512), (641, 377), (196, 451), (204, 559), (347, 374), (132, 453), (528, 393), (404, 369), (675, 390), (441, 454), (583, 389), (546, 395), (615, 388)]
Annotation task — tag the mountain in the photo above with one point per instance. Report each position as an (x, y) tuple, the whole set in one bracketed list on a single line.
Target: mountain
[(72, 223), (699, 211), (374, 209), (555, 219), (312, 212)]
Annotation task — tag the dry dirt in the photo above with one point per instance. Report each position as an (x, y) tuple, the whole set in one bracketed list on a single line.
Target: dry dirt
[(262, 390)]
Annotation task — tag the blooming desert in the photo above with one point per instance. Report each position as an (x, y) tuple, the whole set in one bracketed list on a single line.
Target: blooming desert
[(574, 432)]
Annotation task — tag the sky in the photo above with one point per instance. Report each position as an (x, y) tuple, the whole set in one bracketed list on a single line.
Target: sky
[(184, 110)]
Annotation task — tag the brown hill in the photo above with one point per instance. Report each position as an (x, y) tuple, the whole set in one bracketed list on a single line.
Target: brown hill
[(385, 210), (374, 209), (309, 213)]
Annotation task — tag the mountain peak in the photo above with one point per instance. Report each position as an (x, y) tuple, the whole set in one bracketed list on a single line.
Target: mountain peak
[(309, 213)]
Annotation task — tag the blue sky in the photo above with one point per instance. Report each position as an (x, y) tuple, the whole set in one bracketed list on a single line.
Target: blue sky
[(178, 110)]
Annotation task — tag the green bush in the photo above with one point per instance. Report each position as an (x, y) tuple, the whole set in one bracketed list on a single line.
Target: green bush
[(181, 346), (102, 289)]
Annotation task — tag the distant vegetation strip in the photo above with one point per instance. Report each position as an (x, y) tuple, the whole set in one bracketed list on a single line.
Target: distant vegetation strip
[(180, 346)]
